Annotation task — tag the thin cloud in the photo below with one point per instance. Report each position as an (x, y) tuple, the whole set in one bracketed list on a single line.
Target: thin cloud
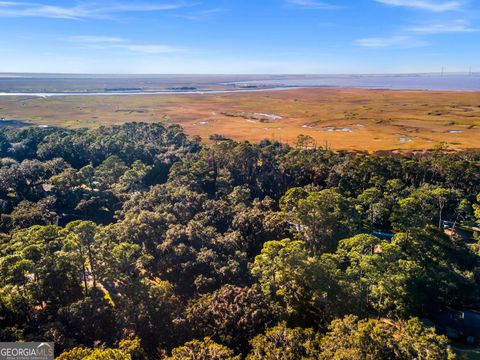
[(397, 41), (81, 11), (100, 42), (9, 3), (152, 49), (313, 4), (144, 7), (9, 9), (459, 26), (429, 5), (92, 39), (201, 15)]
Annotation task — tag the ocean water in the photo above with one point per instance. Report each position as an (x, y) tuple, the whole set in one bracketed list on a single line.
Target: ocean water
[(453, 82), (90, 85)]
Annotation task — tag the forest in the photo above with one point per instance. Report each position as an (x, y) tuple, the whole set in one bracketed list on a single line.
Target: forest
[(139, 242)]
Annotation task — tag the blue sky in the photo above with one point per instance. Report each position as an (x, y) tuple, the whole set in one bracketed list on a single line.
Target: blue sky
[(239, 36)]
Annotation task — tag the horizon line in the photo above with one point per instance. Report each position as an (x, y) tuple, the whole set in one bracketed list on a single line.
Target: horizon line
[(244, 74)]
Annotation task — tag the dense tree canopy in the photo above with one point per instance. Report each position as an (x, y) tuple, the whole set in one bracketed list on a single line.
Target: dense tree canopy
[(137, 242)]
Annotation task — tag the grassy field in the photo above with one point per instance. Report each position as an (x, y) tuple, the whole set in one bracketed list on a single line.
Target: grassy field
[(349, 119)]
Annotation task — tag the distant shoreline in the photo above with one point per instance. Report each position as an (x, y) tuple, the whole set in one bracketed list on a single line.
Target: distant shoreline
[(207, 92), (56, 85), (132, 93)]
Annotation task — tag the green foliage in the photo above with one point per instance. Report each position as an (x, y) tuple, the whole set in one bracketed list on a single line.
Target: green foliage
[(477, 208), (206, 349), (137, 231), (423, 206), (298, 283), (128, 350), (231, 315), (75, 354), (28, 213), (351, 338), (447, 266), (283, 343), (374, 208), (386, 276), (320, 218)]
